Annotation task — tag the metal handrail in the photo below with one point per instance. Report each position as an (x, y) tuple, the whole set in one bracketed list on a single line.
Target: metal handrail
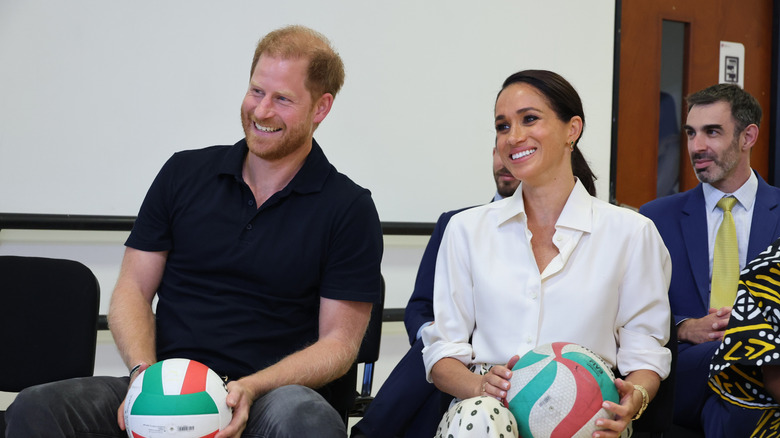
[(67, 222)]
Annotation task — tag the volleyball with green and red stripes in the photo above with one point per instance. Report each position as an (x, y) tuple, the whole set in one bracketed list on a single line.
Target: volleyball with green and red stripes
[(178, 398), (557, 391)]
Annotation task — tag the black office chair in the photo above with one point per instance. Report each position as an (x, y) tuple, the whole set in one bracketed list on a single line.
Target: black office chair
[(368, 355), (48, 322)]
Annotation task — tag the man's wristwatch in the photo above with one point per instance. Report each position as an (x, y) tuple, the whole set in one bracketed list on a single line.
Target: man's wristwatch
[(134, 370)]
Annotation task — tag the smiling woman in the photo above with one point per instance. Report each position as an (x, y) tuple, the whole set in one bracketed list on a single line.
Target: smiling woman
[(548, 240), (534, 144)]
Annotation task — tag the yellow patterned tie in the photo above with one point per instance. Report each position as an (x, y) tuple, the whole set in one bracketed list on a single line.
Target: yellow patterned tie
[(725, 264)]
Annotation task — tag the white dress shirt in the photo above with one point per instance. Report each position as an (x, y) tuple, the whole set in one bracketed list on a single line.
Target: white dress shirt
[(742, 213), (496, 197), (606, 289)]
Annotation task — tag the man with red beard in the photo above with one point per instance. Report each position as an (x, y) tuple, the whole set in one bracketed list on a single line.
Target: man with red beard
[(265, 261), (722, 127)]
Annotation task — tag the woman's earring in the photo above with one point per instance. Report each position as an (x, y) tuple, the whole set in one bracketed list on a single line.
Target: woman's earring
[(571, 146)]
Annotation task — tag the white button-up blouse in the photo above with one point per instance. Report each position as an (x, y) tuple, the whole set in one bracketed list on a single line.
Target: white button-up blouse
[(606, 289)]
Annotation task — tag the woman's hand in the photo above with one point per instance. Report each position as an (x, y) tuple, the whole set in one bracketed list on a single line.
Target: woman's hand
[(630, 403), (496, 382)]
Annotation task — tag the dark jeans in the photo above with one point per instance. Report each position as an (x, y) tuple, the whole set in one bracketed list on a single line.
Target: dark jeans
[(87, 408)]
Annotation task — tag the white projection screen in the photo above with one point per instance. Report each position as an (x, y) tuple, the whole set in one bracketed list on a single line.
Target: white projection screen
[(96, 94)]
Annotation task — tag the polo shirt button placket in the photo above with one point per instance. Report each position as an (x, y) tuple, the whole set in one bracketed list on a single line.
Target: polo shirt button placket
[(250, 203)]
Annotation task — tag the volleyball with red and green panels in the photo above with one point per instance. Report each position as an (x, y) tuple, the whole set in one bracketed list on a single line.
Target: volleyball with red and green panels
[(178, 398), (557, 391)]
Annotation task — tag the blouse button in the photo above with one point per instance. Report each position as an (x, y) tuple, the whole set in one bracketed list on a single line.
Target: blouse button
[(251, 202), (249, 227)]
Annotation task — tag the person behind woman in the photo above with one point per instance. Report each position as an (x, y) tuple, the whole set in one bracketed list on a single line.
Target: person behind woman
[(551, 263), (745, 369)]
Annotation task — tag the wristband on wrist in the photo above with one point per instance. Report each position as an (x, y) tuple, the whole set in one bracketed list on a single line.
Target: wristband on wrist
[(645, 401), (134, 370)]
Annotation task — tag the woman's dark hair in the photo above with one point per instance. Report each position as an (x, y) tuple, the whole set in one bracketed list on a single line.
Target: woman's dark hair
[(566, 103)]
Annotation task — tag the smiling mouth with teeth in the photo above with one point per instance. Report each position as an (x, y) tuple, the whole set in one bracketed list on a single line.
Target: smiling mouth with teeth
[(266, 129), (523, 154)]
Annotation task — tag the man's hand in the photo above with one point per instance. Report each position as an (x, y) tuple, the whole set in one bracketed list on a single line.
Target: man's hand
[(120, 413), (240, 400), (708, 328)]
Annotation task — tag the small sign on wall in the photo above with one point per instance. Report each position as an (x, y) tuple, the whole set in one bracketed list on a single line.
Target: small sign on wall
[(732, 64)]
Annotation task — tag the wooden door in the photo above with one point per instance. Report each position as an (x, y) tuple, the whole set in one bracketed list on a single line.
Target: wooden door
[(707, 23)]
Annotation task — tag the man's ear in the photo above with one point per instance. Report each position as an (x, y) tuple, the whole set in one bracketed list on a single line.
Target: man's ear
[(322, 107), (750, 135)]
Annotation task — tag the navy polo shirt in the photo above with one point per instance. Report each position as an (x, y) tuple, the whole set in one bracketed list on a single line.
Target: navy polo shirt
[(242, 284)]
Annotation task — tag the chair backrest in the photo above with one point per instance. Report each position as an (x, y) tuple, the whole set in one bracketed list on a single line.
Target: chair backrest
[(369, 348), (48, 321), (367, 355)]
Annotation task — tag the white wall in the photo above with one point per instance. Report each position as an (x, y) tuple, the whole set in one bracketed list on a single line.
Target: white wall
[(102, 252)]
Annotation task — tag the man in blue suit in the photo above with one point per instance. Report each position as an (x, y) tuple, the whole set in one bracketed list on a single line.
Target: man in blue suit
[(407, 405), (722, 127)]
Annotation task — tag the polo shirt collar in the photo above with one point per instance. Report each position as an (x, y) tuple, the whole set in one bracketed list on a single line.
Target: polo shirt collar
[(233, 162), (310, 178)]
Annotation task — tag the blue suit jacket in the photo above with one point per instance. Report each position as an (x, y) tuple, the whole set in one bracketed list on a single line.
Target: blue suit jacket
[(681, 220), (419, 309)]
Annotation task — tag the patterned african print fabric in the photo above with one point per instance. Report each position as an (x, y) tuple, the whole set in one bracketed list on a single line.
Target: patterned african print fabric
[(752, 339)]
